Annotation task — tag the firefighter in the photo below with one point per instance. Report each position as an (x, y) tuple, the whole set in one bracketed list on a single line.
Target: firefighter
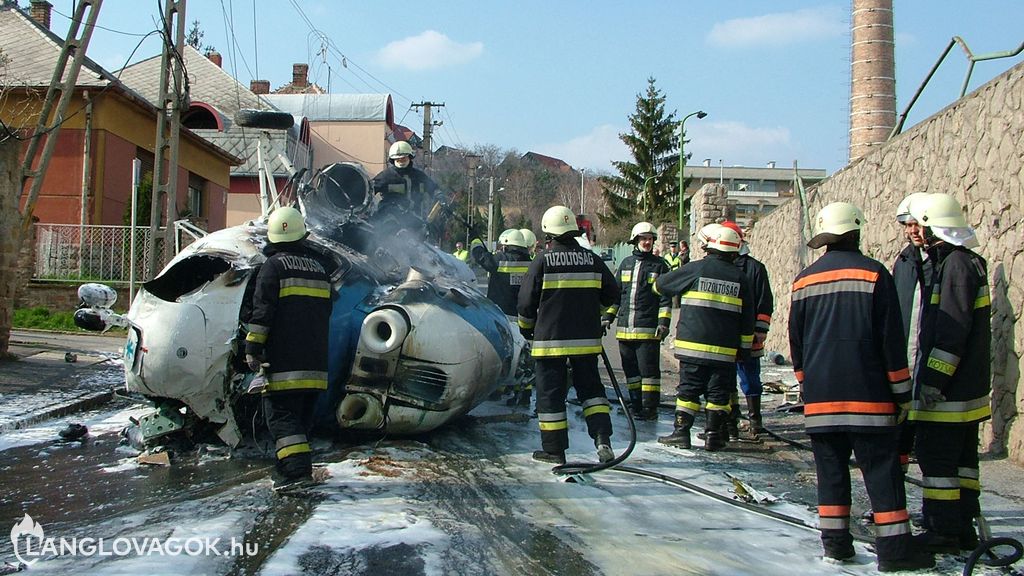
[(560, 304), (643, 319), (847, 348), (531, 241), (460, 252), (287, 339), (715, 328), (749, 371), (912, 273), (953, 376), (406, 192), (505, 269)]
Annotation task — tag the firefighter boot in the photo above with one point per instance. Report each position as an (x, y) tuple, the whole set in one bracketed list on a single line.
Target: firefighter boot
[(754, 414), (732, 423), (714, 438), (636, 404), (680, 436), (604, 448)]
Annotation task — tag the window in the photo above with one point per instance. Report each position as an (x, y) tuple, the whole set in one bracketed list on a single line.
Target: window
[(196, 196)]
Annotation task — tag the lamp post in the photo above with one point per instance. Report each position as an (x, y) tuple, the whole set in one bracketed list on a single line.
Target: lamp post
[(682, 163), (649, 178), (490, 213), (582, 211)]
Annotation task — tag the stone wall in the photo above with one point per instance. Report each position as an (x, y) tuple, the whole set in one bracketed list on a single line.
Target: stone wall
[(973, 149), (54, 296)]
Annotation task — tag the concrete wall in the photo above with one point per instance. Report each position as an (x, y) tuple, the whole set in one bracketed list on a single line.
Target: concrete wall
[(973, 149)]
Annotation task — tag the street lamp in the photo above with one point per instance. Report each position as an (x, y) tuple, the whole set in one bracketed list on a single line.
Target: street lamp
[(682, 162), (649, 178), (582, 170)]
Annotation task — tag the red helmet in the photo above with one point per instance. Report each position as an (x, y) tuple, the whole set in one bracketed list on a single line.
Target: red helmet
[(734, 227)]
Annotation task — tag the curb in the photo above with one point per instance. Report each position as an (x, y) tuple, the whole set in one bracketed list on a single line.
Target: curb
[(80, 404)]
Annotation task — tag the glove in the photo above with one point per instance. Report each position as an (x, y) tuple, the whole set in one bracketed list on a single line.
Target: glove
[(528, 334), (903, 410), (255, 363), (606, 323), (930, 396), (661, 332)]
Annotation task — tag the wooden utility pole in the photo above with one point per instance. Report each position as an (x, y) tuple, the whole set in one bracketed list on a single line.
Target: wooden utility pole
[(428, 129), (168, 127)]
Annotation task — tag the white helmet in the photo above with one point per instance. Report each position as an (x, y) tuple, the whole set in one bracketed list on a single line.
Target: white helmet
[(286, 224), (399, 149), (720, 238), (833, 221), (903, 210), (559, 220), (940, 210), (512, 237), (529, 237), (642, 228)]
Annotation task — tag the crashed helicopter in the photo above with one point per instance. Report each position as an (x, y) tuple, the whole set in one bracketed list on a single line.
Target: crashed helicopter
[(413, 343)]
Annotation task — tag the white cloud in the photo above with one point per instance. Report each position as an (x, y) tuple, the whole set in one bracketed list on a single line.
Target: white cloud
[(737, 144), (778, 29), (427, 51), (593, 151)]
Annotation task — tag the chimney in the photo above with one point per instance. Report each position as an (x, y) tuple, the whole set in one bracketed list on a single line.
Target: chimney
[(40, 12), (771, 163), (299, 72), (214, 56), (259, 86), (707, 162), (872, 76)]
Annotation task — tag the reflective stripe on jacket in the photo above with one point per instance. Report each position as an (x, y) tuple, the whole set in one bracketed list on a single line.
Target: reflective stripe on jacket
[(846, 341), (639, 310), (764, 301), (505, 271)]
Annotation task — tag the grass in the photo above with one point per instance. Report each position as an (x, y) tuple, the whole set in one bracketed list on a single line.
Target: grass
[(40, 318)]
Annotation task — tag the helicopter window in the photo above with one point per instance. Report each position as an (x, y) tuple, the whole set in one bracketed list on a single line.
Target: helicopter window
[(186, 276)]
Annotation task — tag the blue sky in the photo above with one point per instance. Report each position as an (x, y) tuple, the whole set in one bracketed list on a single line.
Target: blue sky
[(561, 78)]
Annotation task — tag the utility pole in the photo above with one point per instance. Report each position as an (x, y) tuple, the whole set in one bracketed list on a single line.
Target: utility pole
[(471, 167), (428, 129), (165, 178)]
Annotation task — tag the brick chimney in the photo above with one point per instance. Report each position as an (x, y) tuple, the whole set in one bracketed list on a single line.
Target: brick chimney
[(40, 12), (259, 86), (214, 56), (299, 72)]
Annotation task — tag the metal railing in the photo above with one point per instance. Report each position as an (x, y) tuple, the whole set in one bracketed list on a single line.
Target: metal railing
[(99, 253)]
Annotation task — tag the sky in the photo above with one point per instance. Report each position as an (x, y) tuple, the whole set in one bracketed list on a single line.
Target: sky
[(562, 78)]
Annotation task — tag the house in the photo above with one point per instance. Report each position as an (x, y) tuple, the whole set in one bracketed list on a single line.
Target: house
[(547, 162), (752, 191), (107, 126), (215, 98)]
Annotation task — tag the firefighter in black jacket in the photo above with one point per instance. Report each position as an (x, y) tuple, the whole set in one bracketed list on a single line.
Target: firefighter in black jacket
[(848, 355), (715, 329), (287, 339), (406, 192), (643, 319), (912, 273), (560, 304), (505, 268), (749, 370), (953, 376)]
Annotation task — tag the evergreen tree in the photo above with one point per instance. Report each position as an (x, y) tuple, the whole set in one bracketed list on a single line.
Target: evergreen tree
[(654, 146)]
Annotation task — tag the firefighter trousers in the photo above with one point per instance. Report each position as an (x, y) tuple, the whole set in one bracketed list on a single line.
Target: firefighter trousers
[(289, 417), (879, 464), (948, 457), (552, 387), (641, 363), (715, 383)]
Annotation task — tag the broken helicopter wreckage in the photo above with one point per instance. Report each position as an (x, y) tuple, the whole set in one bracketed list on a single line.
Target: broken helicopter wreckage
[(413, 343)]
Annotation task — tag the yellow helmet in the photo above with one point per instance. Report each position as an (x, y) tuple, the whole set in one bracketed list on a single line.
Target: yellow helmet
[(559, 220), (286, 224), (399, 149), (939, 209), (642, 228), (529, 236), (903, 210), (512, 237)]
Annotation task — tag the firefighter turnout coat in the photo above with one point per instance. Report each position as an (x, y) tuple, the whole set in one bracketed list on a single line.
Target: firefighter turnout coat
[(407, 188), (291, 312), (505, 274), (716, 311), (846, 340), (640, 310), (561, 299), (764, 301), (956, 339)]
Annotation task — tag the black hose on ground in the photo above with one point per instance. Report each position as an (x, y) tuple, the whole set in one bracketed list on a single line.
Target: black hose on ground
[(987, 547), (575, 468)]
